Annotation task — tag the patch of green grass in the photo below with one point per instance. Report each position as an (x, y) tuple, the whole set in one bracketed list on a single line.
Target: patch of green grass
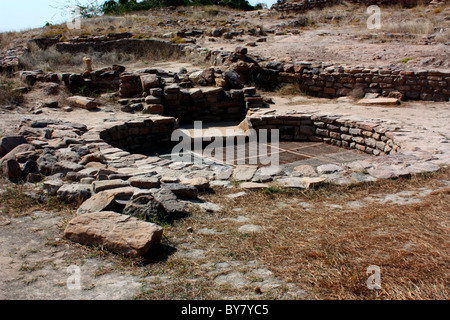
[(406, 60)]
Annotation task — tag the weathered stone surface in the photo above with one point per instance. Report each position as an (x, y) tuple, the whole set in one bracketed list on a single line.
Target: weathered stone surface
[(250, 228), (181, 190), (115, 232), (328, 168), (103, 185), (92, 157), (144, 182), (309, 182), (8, 143), (170, 202), (379, 101), (21, 153), (292, 182), (266, 174), (244, 173), (66, 166), (52, 186), (74, 193), (11, 169), (103, 201), (82, 102), (199, 182), (306, 171), (144, 207), (149, 81), (253, 186)]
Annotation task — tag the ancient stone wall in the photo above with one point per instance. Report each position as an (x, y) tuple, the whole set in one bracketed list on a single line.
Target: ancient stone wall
[(305, 5), (330, 81), (138, 47), (134, 135), (367, 137)]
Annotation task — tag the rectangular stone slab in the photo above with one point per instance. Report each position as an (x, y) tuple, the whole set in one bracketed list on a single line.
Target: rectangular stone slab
[(115, 232)]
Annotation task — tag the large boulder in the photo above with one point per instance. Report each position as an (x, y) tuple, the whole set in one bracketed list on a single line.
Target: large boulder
[(115, 232)]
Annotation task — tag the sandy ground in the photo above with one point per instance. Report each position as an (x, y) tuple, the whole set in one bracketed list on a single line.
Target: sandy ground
[(340, 47)]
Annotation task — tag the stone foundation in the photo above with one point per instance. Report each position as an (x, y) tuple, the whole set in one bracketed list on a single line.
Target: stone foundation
[(305, 5), (330, 81), (369, 137), (135, 135)]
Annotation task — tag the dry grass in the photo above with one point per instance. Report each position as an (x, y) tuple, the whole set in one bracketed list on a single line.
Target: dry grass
[(327, 250), (323, 249), (7, 94), (54, 61), (22, 199)]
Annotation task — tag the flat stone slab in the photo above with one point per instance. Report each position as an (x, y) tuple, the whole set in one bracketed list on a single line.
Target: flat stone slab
[(114, 232), (236, 195), (144, 182), (379, 101), (181, 190), (253, 186), (244, 173), (103, 201), (103, 185)]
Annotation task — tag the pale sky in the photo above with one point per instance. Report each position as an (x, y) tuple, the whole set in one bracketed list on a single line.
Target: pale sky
[(17, 15)]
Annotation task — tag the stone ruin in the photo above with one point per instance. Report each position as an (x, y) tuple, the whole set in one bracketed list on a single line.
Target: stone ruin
[(305, 5), (103, 169)]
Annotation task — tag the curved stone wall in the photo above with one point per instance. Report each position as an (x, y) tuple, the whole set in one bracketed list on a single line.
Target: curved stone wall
[(369, 137)]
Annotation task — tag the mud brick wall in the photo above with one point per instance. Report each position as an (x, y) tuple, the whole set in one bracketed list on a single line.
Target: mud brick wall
[(134, 135), (370, 138)]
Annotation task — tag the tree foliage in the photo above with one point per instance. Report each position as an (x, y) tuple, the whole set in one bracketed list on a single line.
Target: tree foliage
[(121, 6)]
